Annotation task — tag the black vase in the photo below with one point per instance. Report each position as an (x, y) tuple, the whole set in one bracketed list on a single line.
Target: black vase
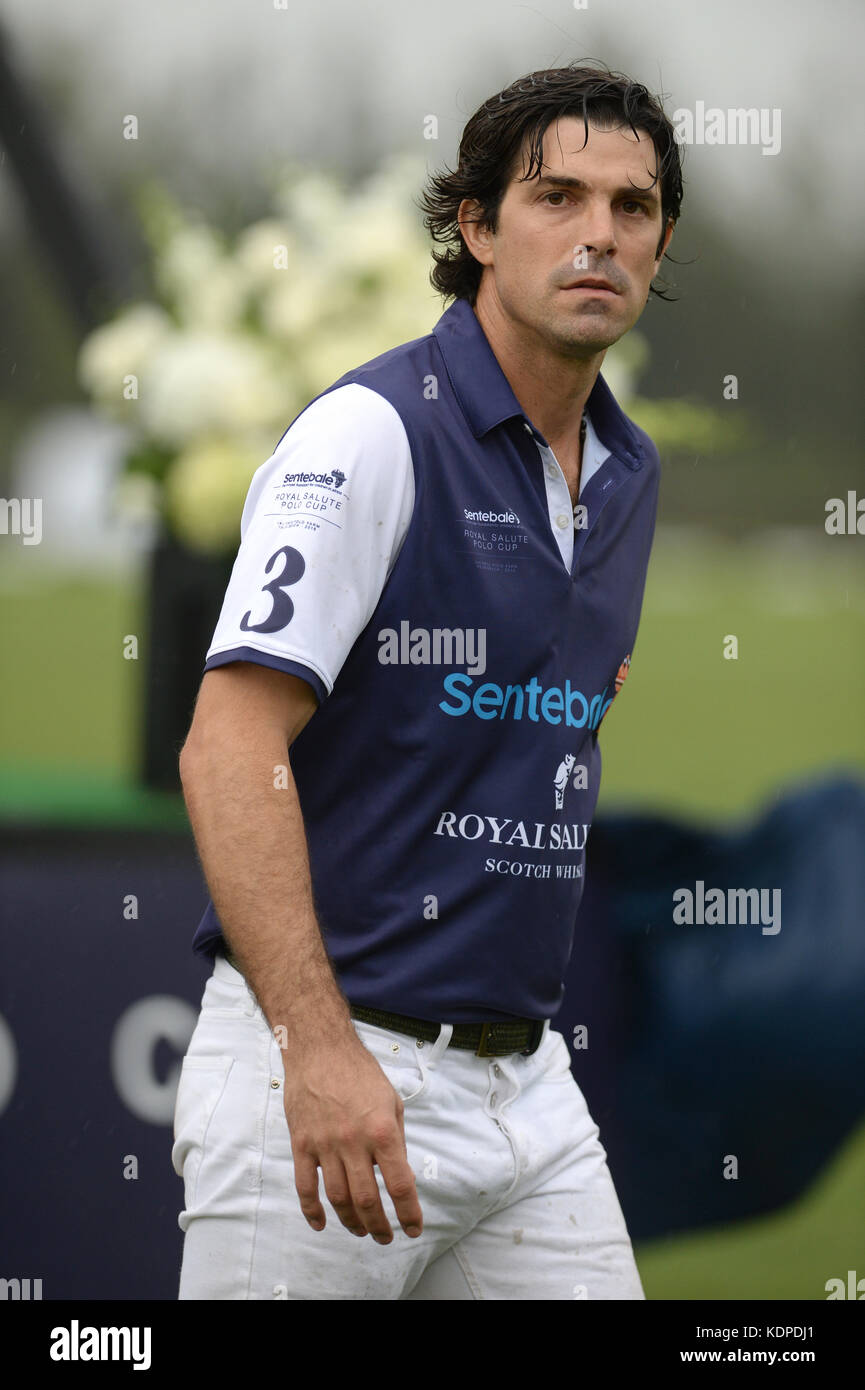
[(185, 593)]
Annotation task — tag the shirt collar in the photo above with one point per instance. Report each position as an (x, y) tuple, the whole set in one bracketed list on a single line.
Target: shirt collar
[(486, 398)]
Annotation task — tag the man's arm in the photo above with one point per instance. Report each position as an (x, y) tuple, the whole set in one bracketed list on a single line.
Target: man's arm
[(343, 1114)]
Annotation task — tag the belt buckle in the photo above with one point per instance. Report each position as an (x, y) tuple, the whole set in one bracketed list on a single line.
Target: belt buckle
[(482, 1043)]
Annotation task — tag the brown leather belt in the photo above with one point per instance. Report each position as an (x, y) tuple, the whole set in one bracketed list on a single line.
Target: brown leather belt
[(497, 1038)]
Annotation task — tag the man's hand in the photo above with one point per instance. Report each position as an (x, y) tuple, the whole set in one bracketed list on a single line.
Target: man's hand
[(344, 1117)]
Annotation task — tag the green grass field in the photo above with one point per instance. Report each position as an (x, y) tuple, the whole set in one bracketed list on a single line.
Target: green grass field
[(692, 734), (698, 735)]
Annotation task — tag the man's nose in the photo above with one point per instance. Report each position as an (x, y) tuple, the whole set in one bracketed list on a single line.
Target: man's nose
[(598, 227)]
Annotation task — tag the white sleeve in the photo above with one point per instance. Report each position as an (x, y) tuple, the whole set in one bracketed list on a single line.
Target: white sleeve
[(324, 520)]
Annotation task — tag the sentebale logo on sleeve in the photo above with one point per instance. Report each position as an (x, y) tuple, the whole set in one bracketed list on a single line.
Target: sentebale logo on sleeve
[(333, 479)]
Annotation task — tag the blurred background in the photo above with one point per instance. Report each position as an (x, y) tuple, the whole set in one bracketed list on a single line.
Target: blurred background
[(206, 216)]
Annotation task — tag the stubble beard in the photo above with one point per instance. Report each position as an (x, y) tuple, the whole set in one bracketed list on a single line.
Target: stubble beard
[(585, 337)]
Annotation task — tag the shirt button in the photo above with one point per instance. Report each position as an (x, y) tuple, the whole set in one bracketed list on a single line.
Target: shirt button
[(551, 470), (564, 520), (497, 1071)]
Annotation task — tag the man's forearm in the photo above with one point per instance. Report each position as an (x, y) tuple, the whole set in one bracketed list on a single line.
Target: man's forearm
[(251, 840)]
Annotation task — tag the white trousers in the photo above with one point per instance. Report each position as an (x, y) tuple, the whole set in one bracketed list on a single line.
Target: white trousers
[(516, 1195)]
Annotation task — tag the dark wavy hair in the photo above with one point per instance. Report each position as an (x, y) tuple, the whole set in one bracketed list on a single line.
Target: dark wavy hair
[(493, 140)]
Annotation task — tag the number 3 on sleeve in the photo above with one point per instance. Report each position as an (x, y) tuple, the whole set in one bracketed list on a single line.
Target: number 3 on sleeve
[(282, 610)]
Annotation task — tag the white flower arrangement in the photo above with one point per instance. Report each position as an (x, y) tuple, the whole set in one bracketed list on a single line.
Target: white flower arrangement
[(245, 335)]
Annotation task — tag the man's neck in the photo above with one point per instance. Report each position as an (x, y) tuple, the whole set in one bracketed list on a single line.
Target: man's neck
[(552, 389)]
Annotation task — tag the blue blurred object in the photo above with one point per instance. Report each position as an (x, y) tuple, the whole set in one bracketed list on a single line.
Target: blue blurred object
[(711, 1041)]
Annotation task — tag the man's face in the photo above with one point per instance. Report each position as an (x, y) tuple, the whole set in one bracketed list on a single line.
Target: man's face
[(597, 194)]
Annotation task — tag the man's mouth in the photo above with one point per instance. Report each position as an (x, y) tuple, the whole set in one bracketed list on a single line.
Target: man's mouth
[(593, 286)]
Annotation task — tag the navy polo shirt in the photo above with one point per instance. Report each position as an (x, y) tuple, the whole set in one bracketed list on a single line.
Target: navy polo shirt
[(411, 550)]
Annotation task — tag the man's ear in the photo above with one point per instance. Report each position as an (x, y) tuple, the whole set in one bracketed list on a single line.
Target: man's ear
[(477, 237), (664, 244)]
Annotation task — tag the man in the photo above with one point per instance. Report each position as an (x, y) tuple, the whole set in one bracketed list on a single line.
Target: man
[(439, 581)]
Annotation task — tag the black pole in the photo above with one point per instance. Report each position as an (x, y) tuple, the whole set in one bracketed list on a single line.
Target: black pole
[(94, 273)]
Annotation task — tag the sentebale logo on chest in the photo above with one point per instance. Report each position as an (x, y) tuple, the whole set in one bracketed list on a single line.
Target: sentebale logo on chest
[(554, 704)]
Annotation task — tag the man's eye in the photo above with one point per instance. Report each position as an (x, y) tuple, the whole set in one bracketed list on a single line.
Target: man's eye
[(632, 202), (554, 195)]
